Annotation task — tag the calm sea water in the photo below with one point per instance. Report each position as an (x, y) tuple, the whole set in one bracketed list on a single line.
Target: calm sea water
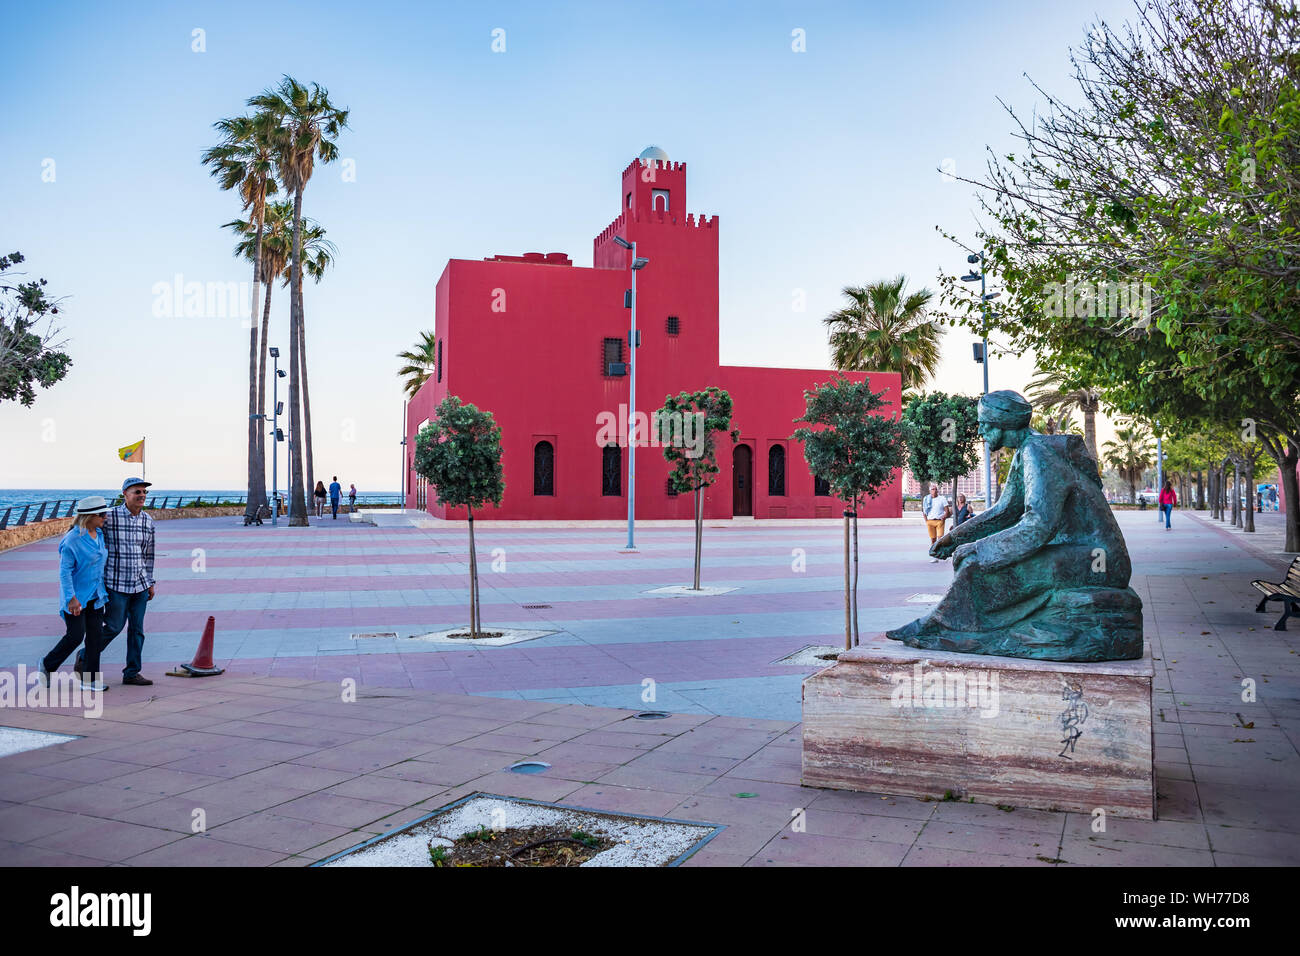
[(35, 496)]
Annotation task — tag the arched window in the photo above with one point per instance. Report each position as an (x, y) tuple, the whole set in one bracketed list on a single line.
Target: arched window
[(659, 199), (544, 468), (611, 471), (776, 470)]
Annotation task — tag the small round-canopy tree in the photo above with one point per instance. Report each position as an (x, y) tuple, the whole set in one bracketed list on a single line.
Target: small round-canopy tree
[(459, 453), (855, 450), (942, 436), (694, 417)]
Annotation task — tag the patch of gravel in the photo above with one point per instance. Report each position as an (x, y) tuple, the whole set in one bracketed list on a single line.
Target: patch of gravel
[(637, 842), (16, 740), (506, 636), (681, 590), (810, 656)]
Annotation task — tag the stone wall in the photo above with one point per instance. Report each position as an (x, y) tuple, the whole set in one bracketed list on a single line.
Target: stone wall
[(15, 537)]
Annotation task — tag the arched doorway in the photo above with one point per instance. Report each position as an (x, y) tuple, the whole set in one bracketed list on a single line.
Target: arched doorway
[(742, 481)]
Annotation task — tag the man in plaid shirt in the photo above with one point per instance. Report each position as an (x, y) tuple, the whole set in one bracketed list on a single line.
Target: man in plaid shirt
[(128, 575)]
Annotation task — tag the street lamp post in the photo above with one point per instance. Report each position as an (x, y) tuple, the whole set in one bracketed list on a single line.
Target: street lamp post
[(972, 259), (401, 484), (634, 341), (276, 437)]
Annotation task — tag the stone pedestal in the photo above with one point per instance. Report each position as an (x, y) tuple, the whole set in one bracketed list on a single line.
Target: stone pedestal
[(888, 718)]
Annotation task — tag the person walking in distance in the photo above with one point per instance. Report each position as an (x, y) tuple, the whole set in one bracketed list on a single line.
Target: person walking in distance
[(1167, 501), (352, 498), (128, 575), (964, 512), (336, 491), (937, 511), (81, 594), (319, 495)]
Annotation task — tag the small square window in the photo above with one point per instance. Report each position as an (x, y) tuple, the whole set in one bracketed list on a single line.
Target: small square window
[(674, 325), (672, 492)]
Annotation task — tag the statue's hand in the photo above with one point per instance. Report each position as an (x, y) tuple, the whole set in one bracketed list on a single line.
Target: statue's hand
[(962, 553), (943, 547)]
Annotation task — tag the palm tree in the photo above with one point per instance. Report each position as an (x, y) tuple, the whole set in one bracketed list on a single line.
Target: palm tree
[(1130, 455), (307, 124), (421, 363), (1051, 391), (244, 160), (277, 244), (884, 329), (318, 254)]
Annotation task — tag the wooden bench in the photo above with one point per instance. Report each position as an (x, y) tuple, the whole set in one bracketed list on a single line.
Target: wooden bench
[(1288, 592)]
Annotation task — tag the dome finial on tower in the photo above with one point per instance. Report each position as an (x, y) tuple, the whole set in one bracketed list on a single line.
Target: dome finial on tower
[(653, 153)]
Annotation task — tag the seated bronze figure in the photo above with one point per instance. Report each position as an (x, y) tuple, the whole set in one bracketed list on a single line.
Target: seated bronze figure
[(1044, 573)]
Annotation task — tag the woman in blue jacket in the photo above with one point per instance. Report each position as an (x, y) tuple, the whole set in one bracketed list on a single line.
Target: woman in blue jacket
[(81, 592)]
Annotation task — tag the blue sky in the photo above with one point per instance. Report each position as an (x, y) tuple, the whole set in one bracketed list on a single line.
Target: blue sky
[(823, 165)]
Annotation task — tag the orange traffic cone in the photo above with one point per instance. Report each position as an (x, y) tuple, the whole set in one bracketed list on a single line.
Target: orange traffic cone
[(202, 665)]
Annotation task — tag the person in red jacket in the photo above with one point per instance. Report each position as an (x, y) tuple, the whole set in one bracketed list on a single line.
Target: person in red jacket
[(1167, 501)]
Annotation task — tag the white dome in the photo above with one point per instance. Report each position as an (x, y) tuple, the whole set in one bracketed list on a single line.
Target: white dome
[(653, 152)]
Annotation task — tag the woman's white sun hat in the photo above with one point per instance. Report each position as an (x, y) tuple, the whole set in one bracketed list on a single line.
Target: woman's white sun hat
[(93, 505)]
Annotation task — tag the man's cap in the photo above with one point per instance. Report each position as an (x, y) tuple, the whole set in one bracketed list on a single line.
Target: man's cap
[(135, 481), (92, 505)]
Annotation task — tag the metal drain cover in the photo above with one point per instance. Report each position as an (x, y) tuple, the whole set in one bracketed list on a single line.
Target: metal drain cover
[(651, 715), (387, 634), (529, 766), (536, 607)]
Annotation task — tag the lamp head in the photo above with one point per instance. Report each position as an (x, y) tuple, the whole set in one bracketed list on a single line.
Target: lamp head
[(623, 242), (275, 352), (971, 277), (639, 263)]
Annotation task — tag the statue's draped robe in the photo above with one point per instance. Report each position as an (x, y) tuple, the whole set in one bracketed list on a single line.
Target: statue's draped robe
[(1049, 576)]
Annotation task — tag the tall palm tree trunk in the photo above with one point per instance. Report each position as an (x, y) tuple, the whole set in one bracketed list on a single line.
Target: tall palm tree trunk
[(261, 386), (1090, 432), (306, 395), (297, 500), (256, 463)]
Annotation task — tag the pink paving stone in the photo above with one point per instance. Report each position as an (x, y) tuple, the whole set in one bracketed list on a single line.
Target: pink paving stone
[(938, 856), (810, 849), (338, 810), (204, 851), (111, 841), (600, 796), (270, 831), (20, 823)]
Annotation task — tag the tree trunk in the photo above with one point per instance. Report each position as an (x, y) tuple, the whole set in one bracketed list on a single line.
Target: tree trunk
[(848, 594), (1249, 526), (297, 499), (1200, 490), (1236, 495), (1291, 495), (1090, 432), (256, 465), (1212, 475), (699, 533), (473, 580), (261, 387), (306, 395), (857, 635), (1133, 491)]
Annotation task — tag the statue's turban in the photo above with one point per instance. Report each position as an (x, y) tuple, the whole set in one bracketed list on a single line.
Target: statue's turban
[(1006, 409)]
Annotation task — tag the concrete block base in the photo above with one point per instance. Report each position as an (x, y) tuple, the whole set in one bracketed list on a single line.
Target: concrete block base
[(888, 718)]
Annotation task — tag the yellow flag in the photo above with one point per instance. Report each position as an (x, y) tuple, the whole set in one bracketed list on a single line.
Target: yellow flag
[(133, 452)]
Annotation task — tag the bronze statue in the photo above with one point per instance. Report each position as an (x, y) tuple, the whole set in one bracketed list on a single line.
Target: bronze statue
[(1043, 573)]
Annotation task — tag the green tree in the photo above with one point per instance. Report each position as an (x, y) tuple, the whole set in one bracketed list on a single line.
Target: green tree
[(694, 463), (421, 363), (942, 436), (306, 125), (856, 449), (1130, 454), (886, 329), (1147, 233), (459, 453), (244, 161), (29, 356)]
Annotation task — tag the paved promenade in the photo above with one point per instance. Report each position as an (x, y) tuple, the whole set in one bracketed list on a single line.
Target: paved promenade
[(286, 772)]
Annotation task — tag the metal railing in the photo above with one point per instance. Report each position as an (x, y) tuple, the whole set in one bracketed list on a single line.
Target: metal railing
[(23, 514)]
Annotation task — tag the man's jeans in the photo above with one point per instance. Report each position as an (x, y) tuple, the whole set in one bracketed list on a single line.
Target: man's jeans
[(127, 610), (1168, 510), (334, 506)]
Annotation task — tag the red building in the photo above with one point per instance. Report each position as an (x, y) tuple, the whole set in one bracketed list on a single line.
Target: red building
[(543, 345)]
